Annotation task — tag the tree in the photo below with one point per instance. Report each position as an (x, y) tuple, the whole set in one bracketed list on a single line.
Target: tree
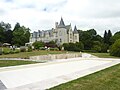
[(109, 37), (17, 26), (115, 37), (8, 36), (115, 49), (88, 37), (21, 35), (97, 38), (96, 46), (2, 36), (105, 37), (92, 32), (80, 46)]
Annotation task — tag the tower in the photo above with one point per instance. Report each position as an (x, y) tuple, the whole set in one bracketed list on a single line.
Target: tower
[(76, 35)]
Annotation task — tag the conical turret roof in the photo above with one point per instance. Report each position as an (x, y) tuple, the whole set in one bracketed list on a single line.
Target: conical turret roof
[(61, 24), (75, 30)]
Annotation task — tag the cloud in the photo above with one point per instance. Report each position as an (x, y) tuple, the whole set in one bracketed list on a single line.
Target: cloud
[(42, 14)]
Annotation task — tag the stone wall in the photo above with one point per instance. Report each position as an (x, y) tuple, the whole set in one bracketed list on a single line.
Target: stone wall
[(56, 56)]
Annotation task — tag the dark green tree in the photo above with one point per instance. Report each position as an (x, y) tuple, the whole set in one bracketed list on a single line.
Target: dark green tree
[(92, 32), (17, 26), (2, 36), (115, 49), (21, 35), (109, 37), (96, 46), (115, 37), (105, 37), (8, 36)]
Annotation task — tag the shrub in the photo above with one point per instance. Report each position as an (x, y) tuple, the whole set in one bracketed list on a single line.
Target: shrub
[(38, 44), (12, 52), (6, 52), (115, 49), (73, 46), (29, 48), (16, 51)]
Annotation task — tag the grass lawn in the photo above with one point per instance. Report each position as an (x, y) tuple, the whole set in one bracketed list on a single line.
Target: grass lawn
[(108, 79), (33, 53), (103, 55), (5, 63)]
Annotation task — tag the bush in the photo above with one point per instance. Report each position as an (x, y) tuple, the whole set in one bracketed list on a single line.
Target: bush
[(6, 52), (115, 49), (38, 44), (14, 51), (17, 51), (73, 46), (29, 48)]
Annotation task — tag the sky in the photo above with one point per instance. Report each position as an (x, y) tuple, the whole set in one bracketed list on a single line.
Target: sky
[(42, 14)]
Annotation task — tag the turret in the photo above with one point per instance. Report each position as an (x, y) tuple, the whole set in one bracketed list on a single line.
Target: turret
[(56, 24)]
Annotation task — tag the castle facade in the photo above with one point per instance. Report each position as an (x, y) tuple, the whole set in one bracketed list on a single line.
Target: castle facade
[(60, 34)]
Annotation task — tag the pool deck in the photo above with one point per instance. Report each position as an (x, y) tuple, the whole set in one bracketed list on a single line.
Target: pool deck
[(46, 75)]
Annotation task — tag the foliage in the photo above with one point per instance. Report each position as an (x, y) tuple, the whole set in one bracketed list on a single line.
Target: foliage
[(73, 46), (88, 37), (21, 36), (29, 48), (104, 47), (51, 44), (107, 37), (38, 44), (115, 37), (6, 52), (96, 46), (8, 36), (17, 26), (1, 34), (115, 49)]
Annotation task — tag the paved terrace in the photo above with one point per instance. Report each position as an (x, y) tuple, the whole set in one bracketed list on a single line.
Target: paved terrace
[(46, 75)]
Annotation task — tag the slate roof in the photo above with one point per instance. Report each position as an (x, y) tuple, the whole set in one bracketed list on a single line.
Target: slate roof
[(61, 24), (75, 30)]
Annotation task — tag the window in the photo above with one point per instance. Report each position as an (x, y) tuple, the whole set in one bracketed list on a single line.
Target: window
[(70, 35), (60, 40), (75, 37)]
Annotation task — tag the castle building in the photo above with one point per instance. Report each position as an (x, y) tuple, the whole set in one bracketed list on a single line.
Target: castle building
[(60, 34)]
